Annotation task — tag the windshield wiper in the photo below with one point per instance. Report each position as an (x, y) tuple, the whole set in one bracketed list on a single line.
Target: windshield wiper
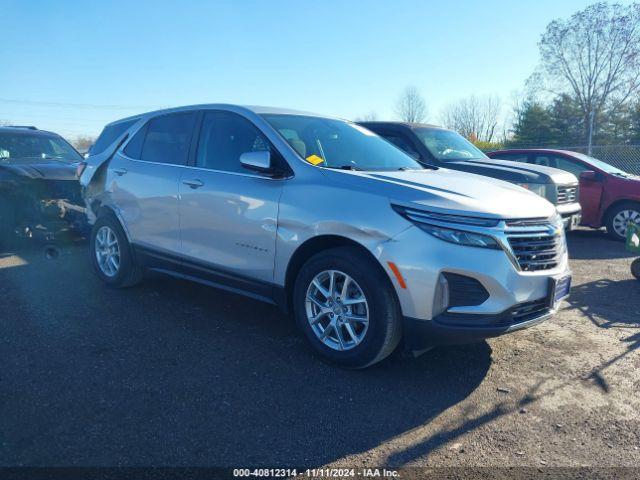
[(346, 167), (424, 165)]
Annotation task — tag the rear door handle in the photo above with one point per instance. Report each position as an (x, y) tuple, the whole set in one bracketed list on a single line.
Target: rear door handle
[(120, 171), (193, 183)]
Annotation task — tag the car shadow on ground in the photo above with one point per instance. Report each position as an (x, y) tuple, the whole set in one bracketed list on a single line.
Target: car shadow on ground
[(594, 245), (175, 373), (608, 303)]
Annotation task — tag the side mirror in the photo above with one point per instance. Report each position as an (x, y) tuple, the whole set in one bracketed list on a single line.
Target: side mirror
[(589, 175), (257, 161)]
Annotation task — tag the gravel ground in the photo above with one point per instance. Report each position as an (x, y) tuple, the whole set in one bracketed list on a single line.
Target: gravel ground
[(173, 373)]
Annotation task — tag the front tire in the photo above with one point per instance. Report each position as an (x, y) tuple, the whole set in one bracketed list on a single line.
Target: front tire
[(111, 254), (619, 217), (346, 307)]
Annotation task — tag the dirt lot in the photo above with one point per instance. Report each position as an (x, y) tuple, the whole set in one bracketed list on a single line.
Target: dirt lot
[(172, 373)]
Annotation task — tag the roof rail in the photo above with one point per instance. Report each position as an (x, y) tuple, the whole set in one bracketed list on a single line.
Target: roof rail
[(28, 127)]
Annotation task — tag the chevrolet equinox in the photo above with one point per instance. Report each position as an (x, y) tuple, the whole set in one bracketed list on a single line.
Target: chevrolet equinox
[(366, 246)]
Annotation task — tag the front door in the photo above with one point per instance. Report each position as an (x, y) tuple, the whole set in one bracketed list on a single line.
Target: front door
[(228, 214)]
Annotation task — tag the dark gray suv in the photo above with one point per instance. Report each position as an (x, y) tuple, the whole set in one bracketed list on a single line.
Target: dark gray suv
[(445, 148)]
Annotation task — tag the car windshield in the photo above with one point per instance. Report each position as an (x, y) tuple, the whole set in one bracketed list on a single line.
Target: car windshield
[(448, 146), (605, 167), (339, 144), (23, 145)]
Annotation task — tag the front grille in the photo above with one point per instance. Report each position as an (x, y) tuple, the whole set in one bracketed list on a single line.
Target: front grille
[(465, 291), (537, 245), (567, 194)]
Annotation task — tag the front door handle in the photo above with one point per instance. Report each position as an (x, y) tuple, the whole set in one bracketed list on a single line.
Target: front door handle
[(193, 183), (120, 171)]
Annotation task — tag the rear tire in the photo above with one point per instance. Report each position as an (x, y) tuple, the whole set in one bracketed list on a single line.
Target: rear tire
[(618, 217), (339, 315), (111, 254)]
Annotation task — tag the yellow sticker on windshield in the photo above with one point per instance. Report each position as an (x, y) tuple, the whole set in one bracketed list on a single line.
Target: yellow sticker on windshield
[(314, 159)]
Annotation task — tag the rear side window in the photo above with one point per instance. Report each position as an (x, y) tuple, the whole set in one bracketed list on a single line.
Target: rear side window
[(109, 135), (134, 147), (544, 160), (164, 139), (225, 136)]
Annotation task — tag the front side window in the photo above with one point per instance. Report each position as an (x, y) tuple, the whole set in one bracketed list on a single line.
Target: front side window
[(339, 144), (165, 139), (448, 146), (571, 166), (224, 137), (562, 163), (36, 146)]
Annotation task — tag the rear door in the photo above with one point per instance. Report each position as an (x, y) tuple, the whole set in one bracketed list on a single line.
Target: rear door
[(228, 214), (144, 178)]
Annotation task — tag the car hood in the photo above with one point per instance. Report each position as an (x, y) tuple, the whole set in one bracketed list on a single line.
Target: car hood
[(516, 171), (40, 168), (448, 191)]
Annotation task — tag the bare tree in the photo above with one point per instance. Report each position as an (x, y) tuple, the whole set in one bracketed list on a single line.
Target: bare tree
[(473, 117), (83, 142), (595, 56), (368, 117), (411, 106)]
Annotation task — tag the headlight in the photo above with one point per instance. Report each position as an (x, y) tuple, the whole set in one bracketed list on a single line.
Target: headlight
[(470, 239), (431, 222), (537, 188)]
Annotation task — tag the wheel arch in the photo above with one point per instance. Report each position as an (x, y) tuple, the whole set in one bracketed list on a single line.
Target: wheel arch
[(316, 245), (104, 209)]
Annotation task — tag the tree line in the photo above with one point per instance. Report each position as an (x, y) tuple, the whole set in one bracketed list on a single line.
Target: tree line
[(586, 89)]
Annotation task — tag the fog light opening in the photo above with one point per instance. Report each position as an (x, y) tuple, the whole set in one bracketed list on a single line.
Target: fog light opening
[(441, 296)]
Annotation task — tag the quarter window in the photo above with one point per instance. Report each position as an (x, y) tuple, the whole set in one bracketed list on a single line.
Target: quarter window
[(109, 135), (225, 136)]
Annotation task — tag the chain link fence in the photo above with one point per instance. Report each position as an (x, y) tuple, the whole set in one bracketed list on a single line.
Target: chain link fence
[(625, 157)]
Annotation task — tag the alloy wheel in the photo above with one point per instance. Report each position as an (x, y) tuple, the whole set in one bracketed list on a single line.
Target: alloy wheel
[(107, 251), (337, 310), (623, 218)]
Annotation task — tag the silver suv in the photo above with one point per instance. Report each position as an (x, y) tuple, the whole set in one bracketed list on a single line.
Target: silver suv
[(321, 216)]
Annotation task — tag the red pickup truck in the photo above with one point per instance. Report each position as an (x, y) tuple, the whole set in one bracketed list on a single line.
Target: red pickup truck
[(609, 196)]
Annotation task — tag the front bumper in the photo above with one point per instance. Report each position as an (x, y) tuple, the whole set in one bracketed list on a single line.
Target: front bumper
[(452, 329), (571, 214), (421, 258)]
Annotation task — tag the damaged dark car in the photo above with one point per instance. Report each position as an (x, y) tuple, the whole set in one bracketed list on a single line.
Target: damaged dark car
[(39, 190)]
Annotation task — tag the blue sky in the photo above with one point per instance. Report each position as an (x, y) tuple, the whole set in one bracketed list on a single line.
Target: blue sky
[(72, 66)]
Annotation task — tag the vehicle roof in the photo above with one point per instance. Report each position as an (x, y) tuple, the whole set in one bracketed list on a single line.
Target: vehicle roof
[(411, 125), (535, 150), (27, 131), (257, 109)]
